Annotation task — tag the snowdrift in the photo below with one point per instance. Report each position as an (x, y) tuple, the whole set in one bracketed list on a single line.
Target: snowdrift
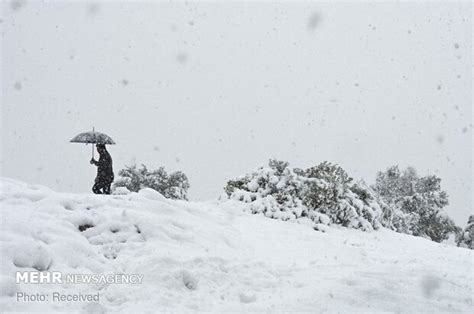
[(215, 257)]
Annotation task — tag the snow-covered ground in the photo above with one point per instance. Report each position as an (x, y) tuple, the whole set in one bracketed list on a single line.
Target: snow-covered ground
[(214, 257)]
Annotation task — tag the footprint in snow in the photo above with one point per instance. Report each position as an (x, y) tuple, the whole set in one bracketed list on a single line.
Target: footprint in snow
[(247, 297), (189, 280), (429, 285), (350, 282)]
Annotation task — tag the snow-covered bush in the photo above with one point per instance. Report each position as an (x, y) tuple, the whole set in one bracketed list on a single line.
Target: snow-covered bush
[(178, 186), (331, 192), (274, 191), (415, 204), (174, 185), (466, 237), (322, 193), (331, 184)]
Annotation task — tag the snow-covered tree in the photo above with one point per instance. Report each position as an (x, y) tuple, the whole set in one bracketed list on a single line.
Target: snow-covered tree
[(466, 237), (174, 185), (331, 184), (331, 192), (415, 204), (274, 191), (131, 178), (323, 193), (178, 186)]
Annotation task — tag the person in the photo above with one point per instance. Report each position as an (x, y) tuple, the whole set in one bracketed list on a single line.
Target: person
[(105, 173)]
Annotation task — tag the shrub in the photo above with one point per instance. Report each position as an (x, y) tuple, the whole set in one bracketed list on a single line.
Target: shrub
[(323, 194), (465, 238), (415, 204), (174, 185), (326, 194), (273, 191)]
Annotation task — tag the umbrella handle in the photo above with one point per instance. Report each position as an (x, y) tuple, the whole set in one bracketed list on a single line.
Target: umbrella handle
[(93, 130)]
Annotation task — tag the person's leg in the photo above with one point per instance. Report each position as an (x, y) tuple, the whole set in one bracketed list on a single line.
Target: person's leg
[(107, 188), (96, 188), (100, 187)]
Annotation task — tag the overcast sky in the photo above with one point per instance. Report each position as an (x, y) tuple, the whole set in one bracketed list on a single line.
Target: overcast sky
[(215, 90)]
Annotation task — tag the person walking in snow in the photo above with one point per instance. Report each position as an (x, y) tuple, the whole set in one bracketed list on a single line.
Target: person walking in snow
[(105, 173)]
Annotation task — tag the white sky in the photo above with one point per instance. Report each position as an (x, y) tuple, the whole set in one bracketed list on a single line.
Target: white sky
[(215, 90)]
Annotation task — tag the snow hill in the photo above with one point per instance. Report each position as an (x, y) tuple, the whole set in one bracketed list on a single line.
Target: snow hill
[(215, 257)]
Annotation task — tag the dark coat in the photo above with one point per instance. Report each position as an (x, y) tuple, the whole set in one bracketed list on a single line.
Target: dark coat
[(105, 173)]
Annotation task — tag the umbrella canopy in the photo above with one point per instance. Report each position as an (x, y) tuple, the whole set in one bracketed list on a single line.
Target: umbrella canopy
[(92, 137)]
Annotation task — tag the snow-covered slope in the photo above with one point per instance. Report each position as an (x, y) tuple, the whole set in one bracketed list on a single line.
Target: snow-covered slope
[(215, 257)]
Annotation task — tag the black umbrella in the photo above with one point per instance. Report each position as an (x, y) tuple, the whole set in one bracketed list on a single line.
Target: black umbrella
[(92, 137)]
